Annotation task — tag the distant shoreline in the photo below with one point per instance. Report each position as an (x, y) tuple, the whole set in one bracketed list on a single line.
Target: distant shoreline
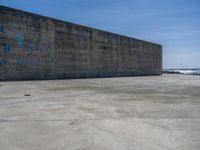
[(195, 71)]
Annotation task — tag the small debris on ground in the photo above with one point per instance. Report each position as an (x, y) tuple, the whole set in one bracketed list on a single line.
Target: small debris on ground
[(27, 94)]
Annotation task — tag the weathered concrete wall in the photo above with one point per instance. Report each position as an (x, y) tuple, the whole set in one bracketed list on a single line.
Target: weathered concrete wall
[(37, 47)]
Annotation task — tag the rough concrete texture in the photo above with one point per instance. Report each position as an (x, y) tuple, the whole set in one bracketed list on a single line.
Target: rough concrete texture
[(37, 47), (140, 113)]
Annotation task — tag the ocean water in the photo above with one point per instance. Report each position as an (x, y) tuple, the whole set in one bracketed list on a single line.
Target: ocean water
[(183, 71)]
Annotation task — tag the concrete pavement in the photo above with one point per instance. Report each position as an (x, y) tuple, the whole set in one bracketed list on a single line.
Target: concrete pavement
[(136, 113)]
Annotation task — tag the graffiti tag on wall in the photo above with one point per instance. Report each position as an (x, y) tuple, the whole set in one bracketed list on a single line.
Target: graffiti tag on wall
[(32, 50)]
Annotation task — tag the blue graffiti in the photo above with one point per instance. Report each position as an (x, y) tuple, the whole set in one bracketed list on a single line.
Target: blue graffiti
[(3, 61), (20, 40), (7, 49), (30, 49), (20, 61), (1, 29)]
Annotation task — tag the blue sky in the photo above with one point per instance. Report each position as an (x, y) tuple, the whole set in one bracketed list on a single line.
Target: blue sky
[(173, 23)]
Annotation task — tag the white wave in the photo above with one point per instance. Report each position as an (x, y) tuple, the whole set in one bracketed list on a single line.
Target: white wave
[(186, 71)]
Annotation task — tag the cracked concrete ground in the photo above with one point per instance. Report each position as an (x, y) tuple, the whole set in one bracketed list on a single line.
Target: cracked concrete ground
[(136, 113)]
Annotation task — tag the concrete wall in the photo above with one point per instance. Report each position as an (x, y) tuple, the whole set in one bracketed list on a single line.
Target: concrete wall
[(37, 47)]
